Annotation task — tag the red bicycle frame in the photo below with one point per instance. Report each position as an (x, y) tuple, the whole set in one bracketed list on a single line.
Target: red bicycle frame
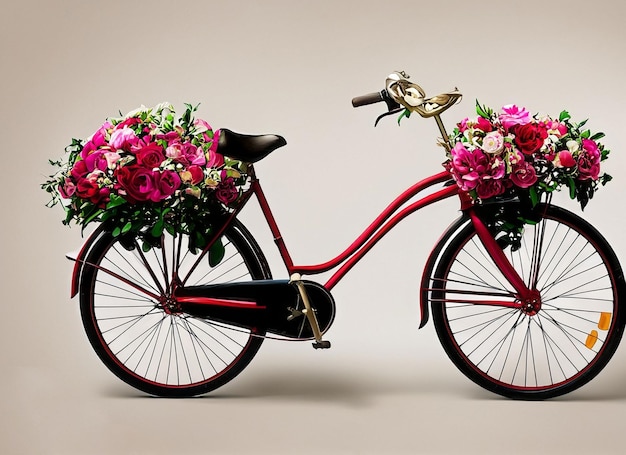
[(388, 219)]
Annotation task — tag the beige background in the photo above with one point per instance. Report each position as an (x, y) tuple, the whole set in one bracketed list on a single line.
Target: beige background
[(291, 67)]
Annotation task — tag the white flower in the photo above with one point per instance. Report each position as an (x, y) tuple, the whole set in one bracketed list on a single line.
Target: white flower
[(572, 146), (493, 142)]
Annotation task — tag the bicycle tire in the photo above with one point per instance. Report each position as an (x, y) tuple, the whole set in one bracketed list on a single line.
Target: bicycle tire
[(538, 353), (156, 350)]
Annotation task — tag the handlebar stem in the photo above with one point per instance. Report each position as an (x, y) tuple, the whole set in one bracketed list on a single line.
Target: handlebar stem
[(444, 135)]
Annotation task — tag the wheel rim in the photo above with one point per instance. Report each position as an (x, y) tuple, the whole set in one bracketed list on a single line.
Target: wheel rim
[(140, 328), (549, 341)]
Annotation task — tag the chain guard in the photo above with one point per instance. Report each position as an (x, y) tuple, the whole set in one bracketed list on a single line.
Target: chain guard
[(275, 306)]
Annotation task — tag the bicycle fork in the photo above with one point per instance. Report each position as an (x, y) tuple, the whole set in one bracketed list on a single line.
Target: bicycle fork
[(528, 298)]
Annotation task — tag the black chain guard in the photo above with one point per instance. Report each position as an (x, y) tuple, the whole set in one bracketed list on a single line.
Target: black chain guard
[(278, 308)]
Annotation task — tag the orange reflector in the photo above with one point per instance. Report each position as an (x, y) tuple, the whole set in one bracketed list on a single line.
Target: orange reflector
[(591, 339), (605, 321)]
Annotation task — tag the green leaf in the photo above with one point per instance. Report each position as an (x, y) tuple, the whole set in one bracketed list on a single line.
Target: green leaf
[(116, 231), (605, 178), (406, 113), (480, 110), (157, 229), (572, 187), (534, 197), (115, 201), (127, 227), (92, 216), (216, 253), (564, 115), (597, 136)]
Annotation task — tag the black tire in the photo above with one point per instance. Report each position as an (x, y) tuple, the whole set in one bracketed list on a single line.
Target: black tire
[(153, 348), (532, 353)]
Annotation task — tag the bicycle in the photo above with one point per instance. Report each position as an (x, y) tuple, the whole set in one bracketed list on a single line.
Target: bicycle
[(533, 322)]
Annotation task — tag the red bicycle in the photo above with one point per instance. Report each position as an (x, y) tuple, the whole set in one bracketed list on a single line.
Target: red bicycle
[(531, 322)]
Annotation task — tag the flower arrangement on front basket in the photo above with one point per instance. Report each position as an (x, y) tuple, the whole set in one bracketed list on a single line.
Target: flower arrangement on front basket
[(149, 172), (517, 157)]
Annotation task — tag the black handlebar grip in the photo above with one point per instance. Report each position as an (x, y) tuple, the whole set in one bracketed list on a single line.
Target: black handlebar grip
[(370, 98)]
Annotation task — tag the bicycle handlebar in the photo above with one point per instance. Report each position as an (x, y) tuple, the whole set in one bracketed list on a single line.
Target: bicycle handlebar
[(400, 93), (370, 98)]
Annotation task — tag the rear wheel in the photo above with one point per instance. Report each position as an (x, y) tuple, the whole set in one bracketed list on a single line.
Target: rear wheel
[(536, 350), (136, 330)]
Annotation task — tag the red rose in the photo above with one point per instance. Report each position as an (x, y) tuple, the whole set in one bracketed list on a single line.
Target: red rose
[(79, 170), (523, 175), (196, 174), (530, 137), (150, 155), (227, 192), (138, 182), (86, 188), (167, 183), (484, 125), (489, 188)]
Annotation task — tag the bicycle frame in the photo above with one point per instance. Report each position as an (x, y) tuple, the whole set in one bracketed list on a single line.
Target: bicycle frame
[(387, 220)]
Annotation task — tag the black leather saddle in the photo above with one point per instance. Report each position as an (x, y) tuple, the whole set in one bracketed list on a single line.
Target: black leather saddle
[(248, 148)]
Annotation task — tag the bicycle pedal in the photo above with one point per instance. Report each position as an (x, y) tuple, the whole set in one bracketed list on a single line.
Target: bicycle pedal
[(321, 344)]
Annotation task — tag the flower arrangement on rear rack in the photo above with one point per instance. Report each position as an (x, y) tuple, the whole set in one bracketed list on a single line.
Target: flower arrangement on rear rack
[(148, 172), (514, 153)]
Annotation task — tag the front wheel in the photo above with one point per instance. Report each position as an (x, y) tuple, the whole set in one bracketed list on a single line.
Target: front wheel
[(134, 326), (534, 351)]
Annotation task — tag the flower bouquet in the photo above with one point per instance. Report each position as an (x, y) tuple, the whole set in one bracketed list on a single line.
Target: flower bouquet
[(148, 172), (513, 154)]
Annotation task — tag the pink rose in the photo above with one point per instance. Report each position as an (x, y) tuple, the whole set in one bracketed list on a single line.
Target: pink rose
[(201, 125), (111, 158), (555, 128), (97, 140), (123, 138), (186, 153), (523, 175), (512, 115), (68, 188), (165, 184), (96, 160), (589, 160), (565, 159)]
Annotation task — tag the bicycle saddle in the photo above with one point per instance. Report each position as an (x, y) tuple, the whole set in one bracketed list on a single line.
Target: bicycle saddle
[(248, 148)]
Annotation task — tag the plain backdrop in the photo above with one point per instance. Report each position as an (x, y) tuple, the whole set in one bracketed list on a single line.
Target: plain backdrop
[(292, 67)]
